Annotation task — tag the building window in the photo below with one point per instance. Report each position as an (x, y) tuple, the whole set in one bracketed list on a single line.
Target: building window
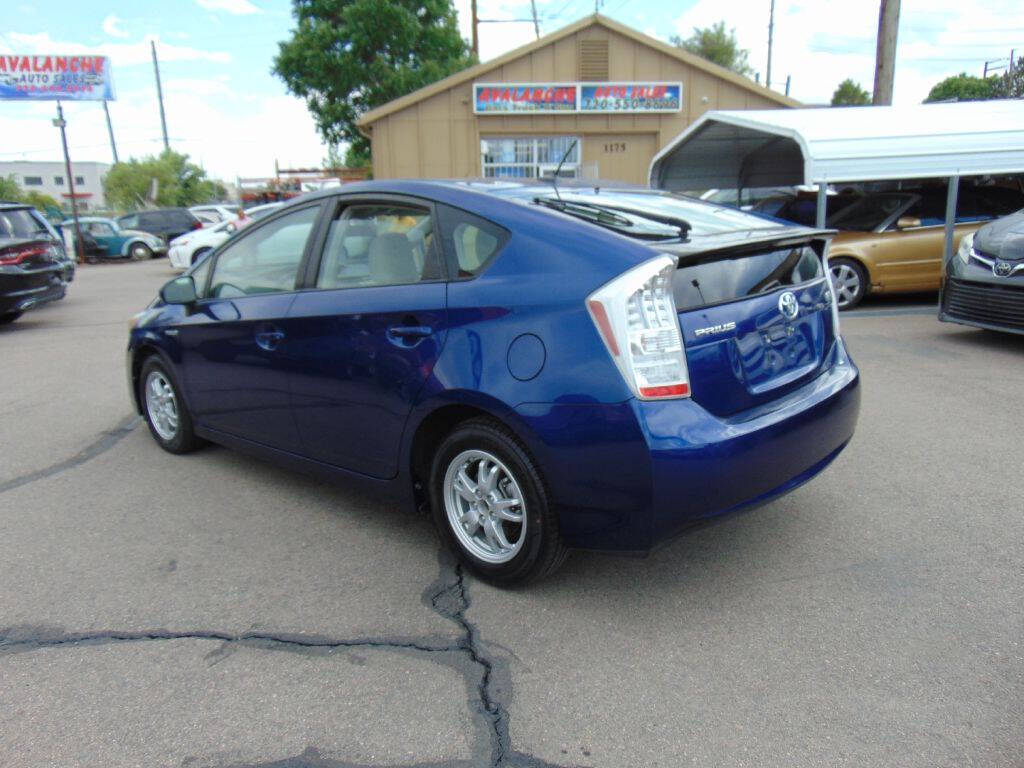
[(58, 180), (533, 157), (80, 180), (33, 181)]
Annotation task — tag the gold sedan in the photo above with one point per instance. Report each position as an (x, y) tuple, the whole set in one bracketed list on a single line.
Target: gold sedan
[(893, 242)]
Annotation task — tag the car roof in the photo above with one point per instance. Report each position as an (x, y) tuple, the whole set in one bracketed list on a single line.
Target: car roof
[(462, 193)]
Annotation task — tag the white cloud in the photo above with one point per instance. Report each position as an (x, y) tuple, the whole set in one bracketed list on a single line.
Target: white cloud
[(121, 54), (110, 26), (236, 7)]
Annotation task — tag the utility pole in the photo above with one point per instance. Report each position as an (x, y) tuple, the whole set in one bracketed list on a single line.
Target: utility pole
[(885, 51), (61, 123), (771, 34), (536, 24), (476, 38), (110, 131), (160, 96)]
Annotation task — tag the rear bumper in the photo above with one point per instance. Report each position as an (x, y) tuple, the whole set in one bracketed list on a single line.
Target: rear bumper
[(178, 256), (24, 289), (704, 466), (630, 475)]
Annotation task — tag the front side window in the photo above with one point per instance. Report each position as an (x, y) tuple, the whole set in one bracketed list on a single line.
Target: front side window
[(100, 229), (379, 244), (266, 260)]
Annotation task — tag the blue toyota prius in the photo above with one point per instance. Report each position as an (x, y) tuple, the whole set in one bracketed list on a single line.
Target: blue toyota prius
[(543, 369)]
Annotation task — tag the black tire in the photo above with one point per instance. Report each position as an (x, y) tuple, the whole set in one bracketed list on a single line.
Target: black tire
[(140, 252), (541, 551), (200, 254), (183, 439), (9, 317), (849, 270)]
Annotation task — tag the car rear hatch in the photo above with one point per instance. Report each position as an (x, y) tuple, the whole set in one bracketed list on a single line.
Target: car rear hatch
[(756, 316)]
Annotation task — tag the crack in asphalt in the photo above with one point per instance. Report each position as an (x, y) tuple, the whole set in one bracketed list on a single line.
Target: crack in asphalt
[(485, 677), (104, 443)]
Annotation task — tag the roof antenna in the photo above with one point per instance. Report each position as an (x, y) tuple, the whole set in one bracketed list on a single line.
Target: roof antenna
[(558, 170)]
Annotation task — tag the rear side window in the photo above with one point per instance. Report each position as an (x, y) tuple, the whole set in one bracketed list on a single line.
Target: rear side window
[(471, 243), (379, 244), (714, 282)]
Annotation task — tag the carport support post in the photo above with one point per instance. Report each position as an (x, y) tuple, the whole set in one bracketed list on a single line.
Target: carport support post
[(819, 218), (951, 194)]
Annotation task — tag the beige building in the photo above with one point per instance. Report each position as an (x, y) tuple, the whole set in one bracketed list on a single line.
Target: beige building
[(617, 93)]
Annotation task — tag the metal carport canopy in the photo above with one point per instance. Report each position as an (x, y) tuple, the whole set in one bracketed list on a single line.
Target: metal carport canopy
[(769, 147)]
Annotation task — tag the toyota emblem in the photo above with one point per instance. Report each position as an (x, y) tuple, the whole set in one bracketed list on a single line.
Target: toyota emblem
[(788, 305), (1002, 268)]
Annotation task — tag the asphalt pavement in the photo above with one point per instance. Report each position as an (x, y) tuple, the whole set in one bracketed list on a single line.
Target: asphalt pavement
[(213, 610)]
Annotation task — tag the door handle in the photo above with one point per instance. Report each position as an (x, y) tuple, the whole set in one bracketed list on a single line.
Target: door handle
[(269, 340), (410, 331)]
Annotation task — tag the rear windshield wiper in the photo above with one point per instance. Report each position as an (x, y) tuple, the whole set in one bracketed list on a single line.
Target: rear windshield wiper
[(611, 218)]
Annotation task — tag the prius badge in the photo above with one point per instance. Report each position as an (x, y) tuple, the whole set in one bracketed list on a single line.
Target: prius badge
[(711, 329)]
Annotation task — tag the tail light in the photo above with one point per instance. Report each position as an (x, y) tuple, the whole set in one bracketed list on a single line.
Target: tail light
[(197, 225), (635, 315), (20, 253)]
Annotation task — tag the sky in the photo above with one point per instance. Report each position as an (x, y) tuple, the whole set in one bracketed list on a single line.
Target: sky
[(233, 116)]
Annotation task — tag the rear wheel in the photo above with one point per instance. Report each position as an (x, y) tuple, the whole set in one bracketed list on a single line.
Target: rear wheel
[(490, 505), (166, 413), (140, 251), (9, 317), (849, 280)]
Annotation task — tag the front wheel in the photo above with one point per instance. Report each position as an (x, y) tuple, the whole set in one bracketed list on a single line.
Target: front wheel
[(166, 413), (200, 254), (490, 505), (849, 280), (140, 251)]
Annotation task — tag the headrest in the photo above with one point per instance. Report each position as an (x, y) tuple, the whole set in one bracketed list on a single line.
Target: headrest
[(391, 260)]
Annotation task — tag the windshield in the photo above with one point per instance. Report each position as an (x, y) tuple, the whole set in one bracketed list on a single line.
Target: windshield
[(19, 223), (869, 213)]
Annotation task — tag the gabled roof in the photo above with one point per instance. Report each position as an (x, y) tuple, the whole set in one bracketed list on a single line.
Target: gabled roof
[(472, 73), (754, 148)]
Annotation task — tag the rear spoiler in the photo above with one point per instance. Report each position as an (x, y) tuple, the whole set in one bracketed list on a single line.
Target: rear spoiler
[(715, 248)]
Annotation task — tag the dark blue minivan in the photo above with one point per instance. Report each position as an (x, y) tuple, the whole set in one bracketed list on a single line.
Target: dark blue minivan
[(543, 369)]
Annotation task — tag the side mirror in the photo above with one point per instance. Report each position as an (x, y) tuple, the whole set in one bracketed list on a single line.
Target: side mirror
[(230, 229), (180, 290), (907, 222)]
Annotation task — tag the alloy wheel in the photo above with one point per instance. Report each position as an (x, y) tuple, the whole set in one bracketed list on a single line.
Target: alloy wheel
[(162, 405), (485, 506), (846, 283)]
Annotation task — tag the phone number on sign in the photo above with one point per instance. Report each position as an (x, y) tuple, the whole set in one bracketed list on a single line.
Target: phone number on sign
[(629, 105)]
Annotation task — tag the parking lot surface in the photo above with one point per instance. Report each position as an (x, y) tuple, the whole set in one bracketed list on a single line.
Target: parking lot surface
[(214, 610)]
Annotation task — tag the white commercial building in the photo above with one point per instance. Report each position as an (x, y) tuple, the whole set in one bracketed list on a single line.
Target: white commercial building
[(49, 178)]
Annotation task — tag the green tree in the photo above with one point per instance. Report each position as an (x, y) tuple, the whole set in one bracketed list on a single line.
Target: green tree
[(177, 182), (9, 189), (334, 158), (964, 87), (1011, 83), (345, 57), (718, 45), (850, 94), (354, 158), (12, 191)]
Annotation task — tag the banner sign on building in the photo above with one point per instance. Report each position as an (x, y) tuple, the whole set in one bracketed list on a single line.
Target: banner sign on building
[(630, 97), (532, 98), (576, 98), (70, 78)]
